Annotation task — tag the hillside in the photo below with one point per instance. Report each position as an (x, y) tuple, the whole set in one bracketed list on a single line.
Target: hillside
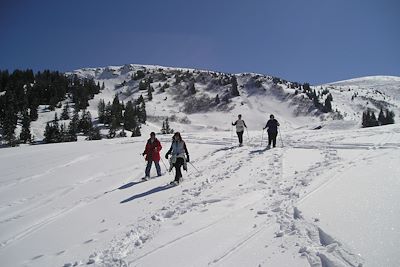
[(188, 97), (326, 196)]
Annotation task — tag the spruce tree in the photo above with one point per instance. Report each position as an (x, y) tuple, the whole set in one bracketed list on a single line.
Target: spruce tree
[(149, 94), (374, 121), (234, 89), (108, 114), (25, 135), (116, 109), (113, 128), (142, 115), (94, 133), (129, 116), (73, 127), (389, 117), (192, 89), (136, 129), (217, 101), (328, 105), (65, 112), (101, 109), (381, 118), (85, 123)]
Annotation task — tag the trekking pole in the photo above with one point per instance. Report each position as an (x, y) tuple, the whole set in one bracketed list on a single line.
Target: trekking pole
[(262, 136), (166, 168), (280, 136), (194, 167), (247, 131)]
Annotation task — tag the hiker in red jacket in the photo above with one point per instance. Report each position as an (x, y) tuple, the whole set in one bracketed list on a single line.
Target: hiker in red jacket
[(152, 152)]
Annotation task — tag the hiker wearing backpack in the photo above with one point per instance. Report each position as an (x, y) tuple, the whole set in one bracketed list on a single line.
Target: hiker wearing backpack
[(178, 151), (272, 126), (240, 125), (152, 152)]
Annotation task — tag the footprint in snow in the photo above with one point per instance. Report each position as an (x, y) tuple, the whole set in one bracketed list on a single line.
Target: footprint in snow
[(88, 241), (37, 257), (60, 252)]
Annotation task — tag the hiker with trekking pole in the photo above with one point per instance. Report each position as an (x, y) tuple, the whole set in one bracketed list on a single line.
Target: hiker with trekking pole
[(178, 150), (240, 125), (272, 126), (152, 152)]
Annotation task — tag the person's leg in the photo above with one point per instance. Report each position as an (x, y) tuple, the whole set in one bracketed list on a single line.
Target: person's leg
[(148, 167), (240, 136), (269, 139), (178, 171), (157, 163), (274, 139)]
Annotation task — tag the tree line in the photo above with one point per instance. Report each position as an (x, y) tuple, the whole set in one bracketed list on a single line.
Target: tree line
[(369, 118), (117, 115), (22, 91)]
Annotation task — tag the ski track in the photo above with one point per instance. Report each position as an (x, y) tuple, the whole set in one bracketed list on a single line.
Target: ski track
[(281, 195)]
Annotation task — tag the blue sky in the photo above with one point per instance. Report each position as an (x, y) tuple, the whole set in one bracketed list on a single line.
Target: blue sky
[(312, 41)]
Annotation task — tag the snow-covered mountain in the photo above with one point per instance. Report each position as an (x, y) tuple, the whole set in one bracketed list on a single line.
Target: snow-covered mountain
[(354, 96), (260, 95), (326, 196)]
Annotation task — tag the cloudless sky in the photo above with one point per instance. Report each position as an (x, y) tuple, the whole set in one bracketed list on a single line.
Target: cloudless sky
[(312, 41)]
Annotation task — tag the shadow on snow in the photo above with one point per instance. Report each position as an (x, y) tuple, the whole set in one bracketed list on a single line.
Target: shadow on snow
[(259, 151), (147, 193)]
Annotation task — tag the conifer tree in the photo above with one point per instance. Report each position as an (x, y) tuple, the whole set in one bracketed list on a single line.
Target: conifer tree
[(374, 121), (25, 135), (73, 127), (149, 94), (381, 118), (94, 133), (65, 112), (142, 116), (129, 116), (108, 114), (101, 109), (116, 109), (234, 90), (192, 89), (217, 100), (85, 123), (389, 117), (136, 129), (328, 105)]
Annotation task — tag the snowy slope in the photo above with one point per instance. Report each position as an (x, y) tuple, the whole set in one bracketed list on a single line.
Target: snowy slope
[(259, 97), (373, 92), (327, 198), (324, 197)]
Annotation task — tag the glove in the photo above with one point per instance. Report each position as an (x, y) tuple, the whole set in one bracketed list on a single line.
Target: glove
[(143, 154), (166, 156), (187, 158)]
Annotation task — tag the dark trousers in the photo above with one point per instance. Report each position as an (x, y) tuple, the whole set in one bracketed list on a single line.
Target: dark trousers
[(272, 138), (178, 164), (148, 167), (240, 136)]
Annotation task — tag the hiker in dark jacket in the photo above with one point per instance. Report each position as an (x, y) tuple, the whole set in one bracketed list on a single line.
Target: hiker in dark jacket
[(272, 126), (240, 125), (178, 151), (152, 152)]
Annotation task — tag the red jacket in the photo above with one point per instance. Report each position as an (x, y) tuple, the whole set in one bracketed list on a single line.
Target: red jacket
[(152, 150)]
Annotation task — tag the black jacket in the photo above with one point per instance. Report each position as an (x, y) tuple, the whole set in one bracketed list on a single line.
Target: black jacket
[(272, 126)]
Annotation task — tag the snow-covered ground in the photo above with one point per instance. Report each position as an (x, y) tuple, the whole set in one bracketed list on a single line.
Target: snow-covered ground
[(328, 197)]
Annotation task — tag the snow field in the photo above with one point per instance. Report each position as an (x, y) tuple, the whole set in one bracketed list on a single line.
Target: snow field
[(84, 202)]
